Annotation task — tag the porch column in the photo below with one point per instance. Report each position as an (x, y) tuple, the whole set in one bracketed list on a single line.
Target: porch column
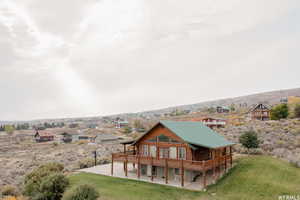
[(182, 174), (112, 164), (166, 171)]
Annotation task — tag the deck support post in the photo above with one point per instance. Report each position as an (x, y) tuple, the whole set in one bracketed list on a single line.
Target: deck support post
[(126, 166), (152, 169), (226, 162), (230, 156), (139, 168), (204, 178), (166, 171), (112, 164), (182, 174), (214, 171)]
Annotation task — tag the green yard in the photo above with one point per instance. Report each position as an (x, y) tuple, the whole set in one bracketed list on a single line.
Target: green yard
[(255, 177)]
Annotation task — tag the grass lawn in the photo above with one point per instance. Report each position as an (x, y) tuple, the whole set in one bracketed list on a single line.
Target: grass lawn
[(254, 177)]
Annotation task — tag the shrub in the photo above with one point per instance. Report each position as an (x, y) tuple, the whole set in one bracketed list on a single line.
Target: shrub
[(127, 130), (280, 111), (54, 144), (81, 192), (9, 190), (53, 187), (10, 198), (86, 163), (90, 162), (34, 180), (249, 140), (81, 142), (297, 111)]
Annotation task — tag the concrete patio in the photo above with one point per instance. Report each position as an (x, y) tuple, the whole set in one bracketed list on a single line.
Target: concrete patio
[(119, 172)]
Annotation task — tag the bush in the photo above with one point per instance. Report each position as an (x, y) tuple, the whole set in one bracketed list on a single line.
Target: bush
[(54, 144), (9, 190), (280, 111), (82, 192), (90, 162), (127, 130), (249, 140), (34, 184), (53, 187), (86, 163), (297, 111)]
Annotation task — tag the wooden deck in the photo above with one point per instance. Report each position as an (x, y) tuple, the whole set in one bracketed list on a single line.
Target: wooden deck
[(203, 166)]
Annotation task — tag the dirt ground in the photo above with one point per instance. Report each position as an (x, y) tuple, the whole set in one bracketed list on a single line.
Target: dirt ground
[(19, 154)]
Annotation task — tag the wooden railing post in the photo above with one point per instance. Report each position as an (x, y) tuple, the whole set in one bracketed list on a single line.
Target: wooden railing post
[(112, 164), (182, 173)]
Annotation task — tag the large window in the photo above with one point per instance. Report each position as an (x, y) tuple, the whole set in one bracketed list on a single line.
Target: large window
[(173, 152), (162, 138), (182, 153), (145, 150), (164, 152), (153, 151)]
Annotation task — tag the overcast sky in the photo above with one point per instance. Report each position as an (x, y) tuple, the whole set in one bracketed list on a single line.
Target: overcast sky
[(75, 58)]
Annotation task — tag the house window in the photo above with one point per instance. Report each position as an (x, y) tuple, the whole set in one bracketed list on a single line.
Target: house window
[(153, 151), (173, 152), (145, 150), (182, 153), (164, 152), (163, 138), (152, 140), (177, 171)]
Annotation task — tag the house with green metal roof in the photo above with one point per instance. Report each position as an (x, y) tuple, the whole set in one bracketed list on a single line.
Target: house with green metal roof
[(177, 151)]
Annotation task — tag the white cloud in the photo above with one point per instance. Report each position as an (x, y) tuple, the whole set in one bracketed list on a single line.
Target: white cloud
[(73, 57)]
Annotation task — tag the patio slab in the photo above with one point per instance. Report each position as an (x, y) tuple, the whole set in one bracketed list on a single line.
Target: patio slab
[(119, 172)]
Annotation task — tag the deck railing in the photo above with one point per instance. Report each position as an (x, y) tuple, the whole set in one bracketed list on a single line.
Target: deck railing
[(129, 157)]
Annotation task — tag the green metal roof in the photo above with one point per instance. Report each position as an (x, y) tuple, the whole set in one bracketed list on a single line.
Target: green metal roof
[(196, 133)]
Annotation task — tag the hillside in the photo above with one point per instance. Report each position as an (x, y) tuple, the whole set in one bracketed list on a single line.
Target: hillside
[(271, 98), (275, 178)]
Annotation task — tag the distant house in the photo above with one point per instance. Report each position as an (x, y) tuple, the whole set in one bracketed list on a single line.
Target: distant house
[(93, 126), (260, 112), (43, 136), (213, 122), (222, 109), (284, 100), (81, 138), (69, 137), (121, 123), (106, 138)]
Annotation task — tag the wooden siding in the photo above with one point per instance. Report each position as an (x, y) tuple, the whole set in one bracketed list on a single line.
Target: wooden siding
[(161, 130)]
